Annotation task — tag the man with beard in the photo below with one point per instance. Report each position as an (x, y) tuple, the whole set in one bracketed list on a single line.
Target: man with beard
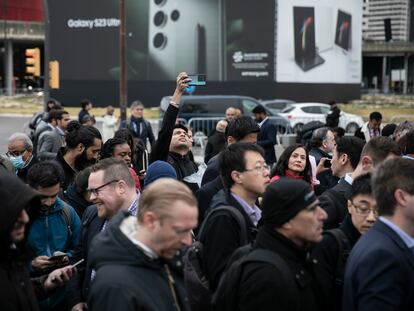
[(267, 136), (55, 226), (112, 188), (18, 291), (133, 256), (83, 145)]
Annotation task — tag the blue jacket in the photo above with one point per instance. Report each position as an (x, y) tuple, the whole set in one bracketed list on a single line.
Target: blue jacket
[(48, 232)]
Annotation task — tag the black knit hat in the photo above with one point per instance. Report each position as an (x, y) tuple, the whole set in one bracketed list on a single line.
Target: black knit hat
[(284, 199)]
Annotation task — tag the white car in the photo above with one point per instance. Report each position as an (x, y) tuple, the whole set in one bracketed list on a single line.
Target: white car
[(301, 113)]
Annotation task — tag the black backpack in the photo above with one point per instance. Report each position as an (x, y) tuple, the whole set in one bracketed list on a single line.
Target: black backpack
[(195, 279), (226, 296)]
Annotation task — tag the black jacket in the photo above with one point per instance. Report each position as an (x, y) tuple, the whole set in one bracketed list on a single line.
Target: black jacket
[(222, 236), (17, 291), (267, 140), (22, 173), (327, 255), (215, 144), (77, 288), (334, 202), (262, 287), (182, 164), (126, 278), (212, 170), (76, 200), (141, 128), (204, 196), (67, 170)]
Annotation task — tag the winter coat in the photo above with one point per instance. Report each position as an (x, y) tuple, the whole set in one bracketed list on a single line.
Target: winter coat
[(126, 278), (262, 286), (141, 128), (49, 232), (17, 290), (77, 288), (215, 144), (221, 236), (76, 200), (327, 255)]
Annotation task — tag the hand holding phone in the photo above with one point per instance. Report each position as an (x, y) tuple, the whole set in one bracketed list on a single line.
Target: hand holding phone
[(327, 163), (78, 263), (197, 80)]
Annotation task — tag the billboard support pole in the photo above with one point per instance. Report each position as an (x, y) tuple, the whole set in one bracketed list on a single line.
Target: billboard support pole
[(122, 60), (46, 92)]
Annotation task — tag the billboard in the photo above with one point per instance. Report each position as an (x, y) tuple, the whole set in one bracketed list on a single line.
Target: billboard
[(229, 40), (319, 41)]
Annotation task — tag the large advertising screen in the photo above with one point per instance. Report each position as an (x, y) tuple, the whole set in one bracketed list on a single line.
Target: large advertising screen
[(319, 41), (229, 40)]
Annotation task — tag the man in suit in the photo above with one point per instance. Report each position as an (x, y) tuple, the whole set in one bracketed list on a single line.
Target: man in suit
[(140, 128), (267, 136), (380, 269), (50, 142), (334, 200)]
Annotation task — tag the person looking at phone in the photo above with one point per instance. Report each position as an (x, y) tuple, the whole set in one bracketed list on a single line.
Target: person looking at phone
[(18, 291), (55, 227), (321, 146)]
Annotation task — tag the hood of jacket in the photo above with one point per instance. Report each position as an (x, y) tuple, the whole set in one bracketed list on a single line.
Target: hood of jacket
[(15, 197), (76, 200), (112, 246)]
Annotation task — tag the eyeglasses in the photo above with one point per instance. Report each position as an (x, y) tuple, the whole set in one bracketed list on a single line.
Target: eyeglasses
[(259, 169), (95, 191), (363, 210), (15, 153)]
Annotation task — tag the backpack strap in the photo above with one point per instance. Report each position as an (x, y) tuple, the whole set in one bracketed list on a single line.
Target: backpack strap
[(68, 220), (344, 248), (235, 214)]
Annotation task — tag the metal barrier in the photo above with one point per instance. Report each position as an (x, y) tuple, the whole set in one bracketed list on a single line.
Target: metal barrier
[(203, 125)]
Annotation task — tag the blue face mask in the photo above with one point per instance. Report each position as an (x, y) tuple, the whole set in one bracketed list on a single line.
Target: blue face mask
[(17, 162)]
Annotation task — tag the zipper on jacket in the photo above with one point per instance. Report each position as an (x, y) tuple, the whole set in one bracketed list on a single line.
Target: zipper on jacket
[(171, 283)]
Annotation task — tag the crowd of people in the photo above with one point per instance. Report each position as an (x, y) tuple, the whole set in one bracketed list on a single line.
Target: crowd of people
[(118, 220)]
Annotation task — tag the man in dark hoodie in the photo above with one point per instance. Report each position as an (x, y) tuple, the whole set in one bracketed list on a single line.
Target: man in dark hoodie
[(172, 144), (132, 258), (18, 291)]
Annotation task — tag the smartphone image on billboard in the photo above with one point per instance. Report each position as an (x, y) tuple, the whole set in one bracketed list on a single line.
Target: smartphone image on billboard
[(197, 80), (185, 35), (343, 30), (306, 56)]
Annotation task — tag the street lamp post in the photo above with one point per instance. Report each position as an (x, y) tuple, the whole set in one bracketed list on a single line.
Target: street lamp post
[(122, 60)]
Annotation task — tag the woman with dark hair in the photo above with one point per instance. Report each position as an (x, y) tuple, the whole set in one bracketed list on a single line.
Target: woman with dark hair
[(139, 154), (119, 148), (293, 163)]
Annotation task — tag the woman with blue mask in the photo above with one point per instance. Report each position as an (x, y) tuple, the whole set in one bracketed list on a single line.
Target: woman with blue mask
[(20, 154)]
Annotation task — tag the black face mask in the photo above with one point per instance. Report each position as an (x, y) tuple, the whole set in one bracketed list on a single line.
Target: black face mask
[(82, 162)]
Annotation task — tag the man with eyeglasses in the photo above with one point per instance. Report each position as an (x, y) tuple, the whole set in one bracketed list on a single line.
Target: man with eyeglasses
[(380, 270), (55, 227), (332, 253), (20, 153), (245, 176), (112, 189), (276, 273)]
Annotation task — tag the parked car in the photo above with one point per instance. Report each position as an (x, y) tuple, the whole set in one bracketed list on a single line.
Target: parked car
[(276, 105), (301, 113), (206, 110)]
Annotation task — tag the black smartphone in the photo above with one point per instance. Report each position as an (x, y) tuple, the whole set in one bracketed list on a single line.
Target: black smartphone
[(197, 80), (327, 163)]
